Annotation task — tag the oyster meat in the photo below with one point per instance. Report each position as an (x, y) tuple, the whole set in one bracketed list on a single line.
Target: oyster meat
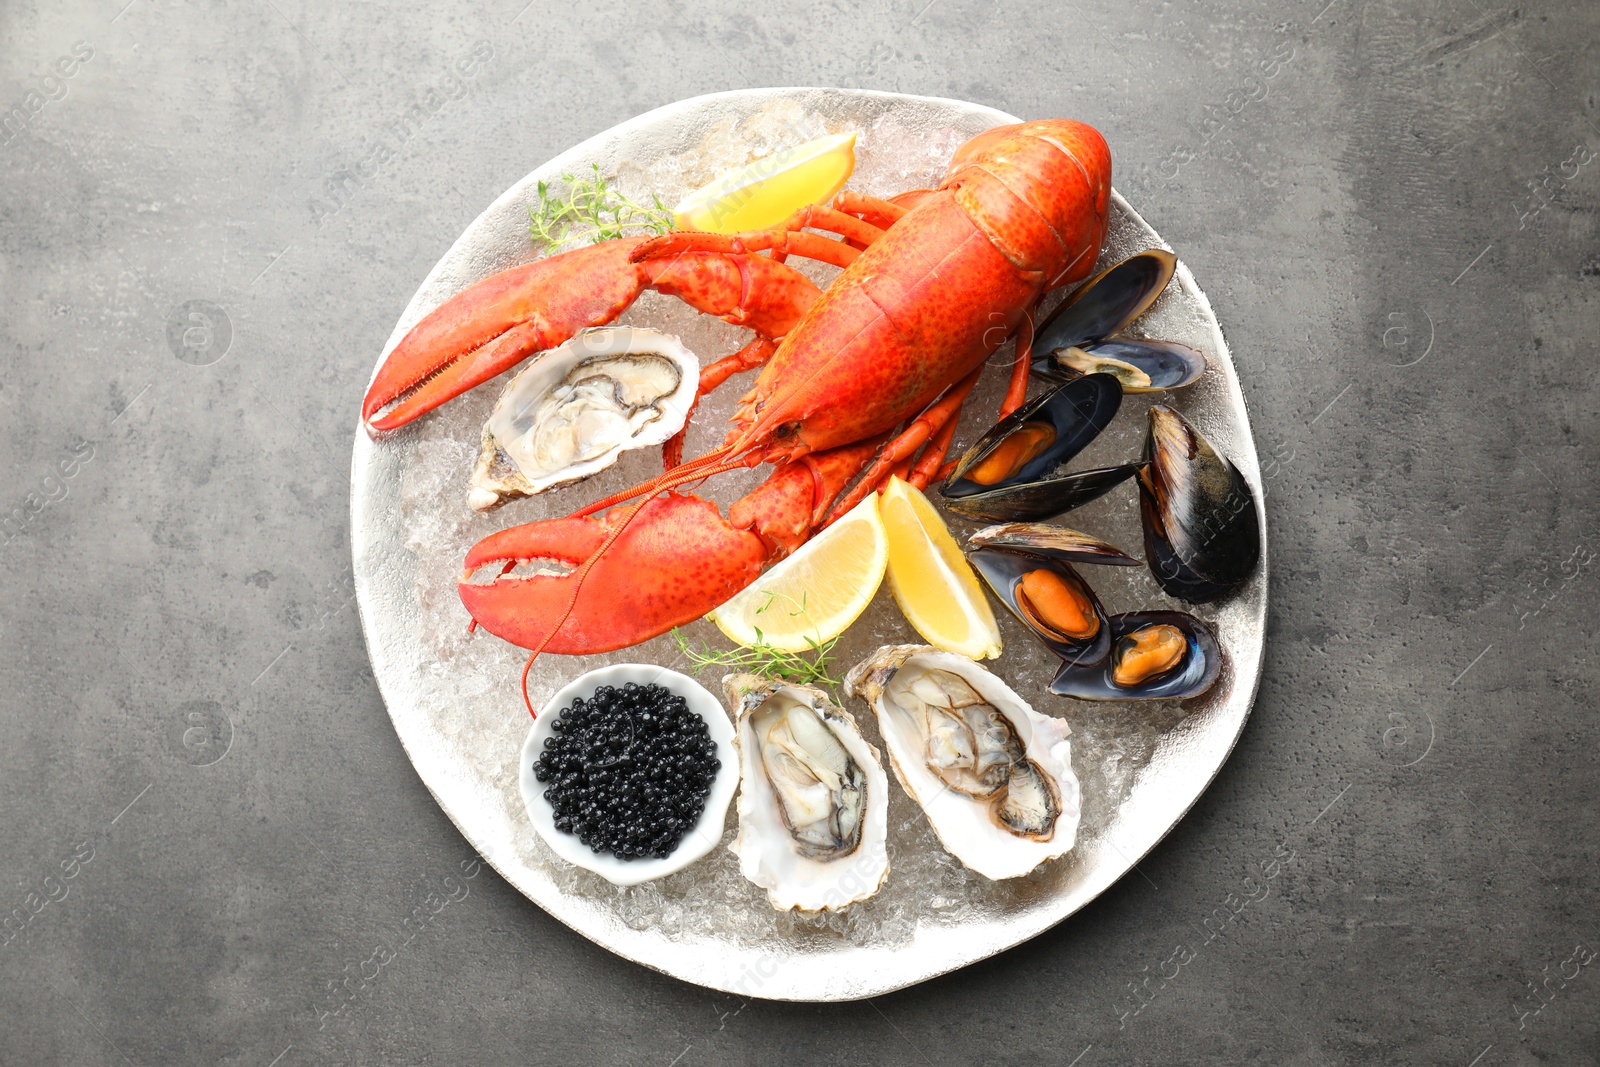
[(575, 408), (813, 798), (970, 746), (993, 776)]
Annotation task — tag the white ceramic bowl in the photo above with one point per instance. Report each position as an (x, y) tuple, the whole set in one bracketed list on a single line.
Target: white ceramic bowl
[(705, 834)]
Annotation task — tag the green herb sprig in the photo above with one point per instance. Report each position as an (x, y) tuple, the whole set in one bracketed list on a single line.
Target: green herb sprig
[(812, 667), (593, 208)]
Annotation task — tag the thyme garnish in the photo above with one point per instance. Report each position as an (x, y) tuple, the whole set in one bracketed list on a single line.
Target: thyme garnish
[(812, 667), (594, 209)]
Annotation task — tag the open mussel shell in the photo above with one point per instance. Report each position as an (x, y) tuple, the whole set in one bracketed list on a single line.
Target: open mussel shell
[(1051, 599), (1202, 537), (1050, 542), (1039, 436), (1139, 366), (1107, 302), (1155, 655), (1031, 501)]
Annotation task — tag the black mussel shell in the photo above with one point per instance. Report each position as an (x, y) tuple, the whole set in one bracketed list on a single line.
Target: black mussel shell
[(1061, 423), (1032, 501), (1004, 572), (1193, 674), (1139, 366), (1050, 542), (1202, 538), (1107, 302)]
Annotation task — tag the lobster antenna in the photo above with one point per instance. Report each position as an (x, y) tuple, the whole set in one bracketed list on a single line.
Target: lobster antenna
[(526, 700), (684, 472)]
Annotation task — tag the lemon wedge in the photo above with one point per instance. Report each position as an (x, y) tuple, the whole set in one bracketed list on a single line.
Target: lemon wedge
[(816, 593), (762, 194), (933, 583)]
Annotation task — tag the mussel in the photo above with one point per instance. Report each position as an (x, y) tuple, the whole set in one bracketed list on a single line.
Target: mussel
[(1202, 537), (1107, 302), (1050, 542), (1002, 476), (1042, 588), (1154, 655), (1073, 341), (1139, 366)]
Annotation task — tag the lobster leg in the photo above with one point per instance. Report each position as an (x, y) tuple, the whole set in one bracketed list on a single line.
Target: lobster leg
[(495, 324), (783, 243), (944, 410), (751, 356), (932, 458), (920, 468), (930, 464), (790, 505), (820, 217), (881, 213), (786, 239), (1017, 390)]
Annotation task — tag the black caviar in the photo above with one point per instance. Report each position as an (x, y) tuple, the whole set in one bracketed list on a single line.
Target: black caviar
[(628, 770)]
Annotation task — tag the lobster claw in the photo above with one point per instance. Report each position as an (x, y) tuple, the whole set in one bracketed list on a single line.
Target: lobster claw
[(495, 324), (674, 561), (492, 326)]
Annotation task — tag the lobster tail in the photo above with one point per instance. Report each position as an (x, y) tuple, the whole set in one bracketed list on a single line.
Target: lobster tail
[(1026, 187)]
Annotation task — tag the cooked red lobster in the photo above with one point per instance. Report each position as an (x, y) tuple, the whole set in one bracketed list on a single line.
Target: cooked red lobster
[(858, 382)]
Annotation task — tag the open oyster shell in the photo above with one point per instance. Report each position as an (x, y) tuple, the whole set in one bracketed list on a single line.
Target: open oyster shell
[(813, 797), (978, 724), (575, 408)]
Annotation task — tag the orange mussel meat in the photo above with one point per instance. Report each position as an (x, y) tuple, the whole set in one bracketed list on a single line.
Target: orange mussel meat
[(1147, 653), (1012, 454), (1057, 606)]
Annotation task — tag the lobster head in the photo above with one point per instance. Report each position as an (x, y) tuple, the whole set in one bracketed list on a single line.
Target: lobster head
[(1026, 186)]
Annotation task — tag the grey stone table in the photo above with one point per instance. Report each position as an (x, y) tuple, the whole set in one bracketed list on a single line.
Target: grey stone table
[(210, 217)]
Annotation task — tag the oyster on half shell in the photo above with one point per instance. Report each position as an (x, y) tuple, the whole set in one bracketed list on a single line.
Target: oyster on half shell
[(813, 797), (577, 407), (993, 776)]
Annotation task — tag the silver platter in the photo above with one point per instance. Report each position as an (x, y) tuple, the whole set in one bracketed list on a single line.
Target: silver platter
[(453, 696)]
